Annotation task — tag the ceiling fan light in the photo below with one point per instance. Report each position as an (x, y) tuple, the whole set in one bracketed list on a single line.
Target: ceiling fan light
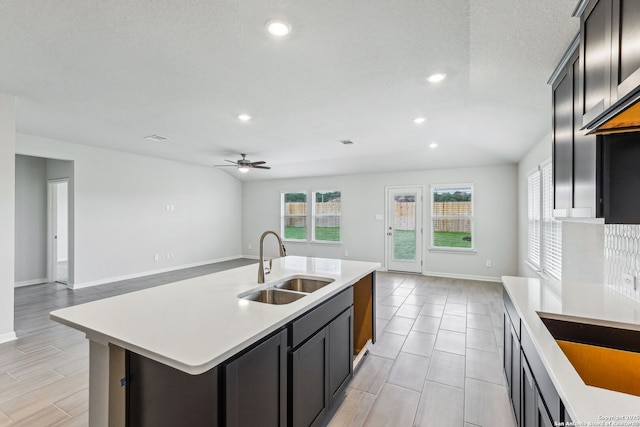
[(243, 169)]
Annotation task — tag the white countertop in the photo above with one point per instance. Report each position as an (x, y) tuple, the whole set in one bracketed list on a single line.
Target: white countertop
[(603, 306), (195, 324)]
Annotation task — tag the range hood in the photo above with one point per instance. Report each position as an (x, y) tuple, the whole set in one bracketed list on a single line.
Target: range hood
[(623, 116)]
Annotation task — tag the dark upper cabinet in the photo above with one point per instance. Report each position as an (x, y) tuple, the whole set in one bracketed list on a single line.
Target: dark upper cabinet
[(563, 143), (256, 385), (595, 58), (575, 160), (625, 48), (609, 58)]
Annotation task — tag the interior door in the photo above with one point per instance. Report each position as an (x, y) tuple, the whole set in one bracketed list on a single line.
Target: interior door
[(404, 229), (59, 231)]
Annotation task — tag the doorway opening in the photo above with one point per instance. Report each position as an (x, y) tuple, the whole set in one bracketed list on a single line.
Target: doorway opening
[(58, 231), (403, 245)]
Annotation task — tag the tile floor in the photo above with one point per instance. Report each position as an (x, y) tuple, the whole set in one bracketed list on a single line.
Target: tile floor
[(437, 361)]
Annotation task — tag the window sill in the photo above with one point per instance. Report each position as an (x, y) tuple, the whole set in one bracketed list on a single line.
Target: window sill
[(320, 242), (462, 251)]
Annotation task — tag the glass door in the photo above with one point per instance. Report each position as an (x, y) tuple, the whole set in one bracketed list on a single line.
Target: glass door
[(404, 229)]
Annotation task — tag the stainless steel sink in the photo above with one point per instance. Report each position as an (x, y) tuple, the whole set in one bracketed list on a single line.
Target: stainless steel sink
[(304, 284), (274, 296)]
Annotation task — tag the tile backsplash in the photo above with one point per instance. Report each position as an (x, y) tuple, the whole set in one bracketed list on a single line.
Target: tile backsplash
[(622, 256)]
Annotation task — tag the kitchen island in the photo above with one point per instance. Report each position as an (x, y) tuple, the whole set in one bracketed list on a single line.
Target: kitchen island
[(200, 327), (543, 317)]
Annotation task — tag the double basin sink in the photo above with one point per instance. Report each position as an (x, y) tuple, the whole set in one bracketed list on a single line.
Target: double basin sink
[(288, 290)]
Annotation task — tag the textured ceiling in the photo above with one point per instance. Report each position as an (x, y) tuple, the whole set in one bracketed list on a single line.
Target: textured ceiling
[(107, 73)]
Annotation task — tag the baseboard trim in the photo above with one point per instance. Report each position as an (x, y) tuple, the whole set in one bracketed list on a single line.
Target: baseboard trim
[(149, 273), (9, 336), (463, 276), (30, 282), (447, 275)]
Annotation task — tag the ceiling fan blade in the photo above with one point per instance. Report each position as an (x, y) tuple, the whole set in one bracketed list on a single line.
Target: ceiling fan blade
[(231, 161), (261, 162), (262, 167), (225, 166)]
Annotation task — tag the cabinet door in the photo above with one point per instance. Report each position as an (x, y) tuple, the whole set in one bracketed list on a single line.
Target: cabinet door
[(543, 418), (529, 397), (512, 365), (626, 50), (159, 395), (595, 57), (309, 381), (585, 161), (515, 374), (256, 385), (563, 144), (340, 352)]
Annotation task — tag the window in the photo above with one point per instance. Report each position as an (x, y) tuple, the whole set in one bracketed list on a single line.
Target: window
[(326, 213), (551, 229), (544, 242), (452, 217), (293, 209), (533, 217)]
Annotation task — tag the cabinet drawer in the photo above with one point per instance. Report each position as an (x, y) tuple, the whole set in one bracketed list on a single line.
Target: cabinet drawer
[(316, 319), (512, 314)]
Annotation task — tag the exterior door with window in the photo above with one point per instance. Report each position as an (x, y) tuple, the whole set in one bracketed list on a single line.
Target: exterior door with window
[(404, 229)]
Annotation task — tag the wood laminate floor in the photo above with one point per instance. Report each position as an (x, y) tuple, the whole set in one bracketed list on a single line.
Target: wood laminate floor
[(437, 361)]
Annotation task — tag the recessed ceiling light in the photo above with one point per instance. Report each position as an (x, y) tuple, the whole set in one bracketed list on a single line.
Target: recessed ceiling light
[(244, 117), (156, 138), (419, 120), (436, 77), (278, 28), (433, 145)]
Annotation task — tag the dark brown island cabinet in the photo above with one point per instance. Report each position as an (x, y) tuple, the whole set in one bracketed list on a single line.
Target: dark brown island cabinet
[(596, 116), (534, 398), (293, 377)]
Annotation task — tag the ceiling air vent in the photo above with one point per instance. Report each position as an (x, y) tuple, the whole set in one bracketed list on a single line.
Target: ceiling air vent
[(156, 138), (346, 142)]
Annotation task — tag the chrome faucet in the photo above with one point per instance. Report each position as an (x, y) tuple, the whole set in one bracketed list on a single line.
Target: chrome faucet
[(283, 252)]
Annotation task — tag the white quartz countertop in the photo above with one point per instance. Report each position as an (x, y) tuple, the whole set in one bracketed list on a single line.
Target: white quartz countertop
[(601, 305), (195, 324)]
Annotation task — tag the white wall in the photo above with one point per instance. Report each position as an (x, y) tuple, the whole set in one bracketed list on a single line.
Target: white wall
[(7, 214), (537, 155), (363, 196), (31, 220), (121, 218)]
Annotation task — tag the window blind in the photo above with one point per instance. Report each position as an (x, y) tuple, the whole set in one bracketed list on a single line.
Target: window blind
[(533, 214), (551, 229)]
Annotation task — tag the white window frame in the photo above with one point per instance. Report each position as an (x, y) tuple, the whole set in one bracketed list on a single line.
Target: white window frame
[(283, 216), (315, 215), (460, 186), (534, 218)]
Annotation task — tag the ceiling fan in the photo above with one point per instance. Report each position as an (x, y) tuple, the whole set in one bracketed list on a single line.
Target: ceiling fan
[(245, 164)]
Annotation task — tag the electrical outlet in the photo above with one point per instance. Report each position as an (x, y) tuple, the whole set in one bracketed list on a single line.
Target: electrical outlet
[(629, 280), (156, 257), (488, 263), (346, 252), (249, 246)]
